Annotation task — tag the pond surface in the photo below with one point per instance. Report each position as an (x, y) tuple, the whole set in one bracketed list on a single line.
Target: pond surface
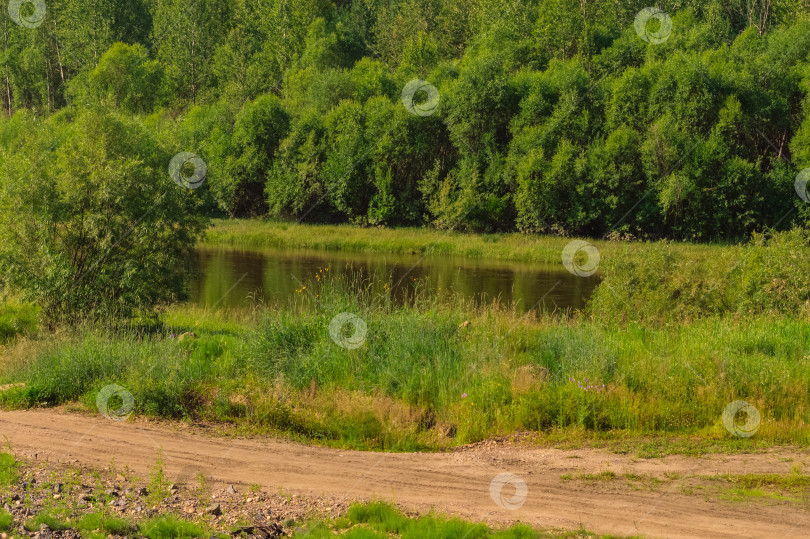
[(229, 277)]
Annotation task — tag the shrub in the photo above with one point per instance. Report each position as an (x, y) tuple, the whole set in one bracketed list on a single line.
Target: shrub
[(766, 276), (91, 223)]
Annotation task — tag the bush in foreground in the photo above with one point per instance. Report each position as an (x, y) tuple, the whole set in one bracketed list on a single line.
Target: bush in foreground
[(91, 223)]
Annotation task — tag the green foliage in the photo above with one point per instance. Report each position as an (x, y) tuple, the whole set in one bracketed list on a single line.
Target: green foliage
[(552, 116), (17, 320), (46, 518), (125, 78), (158, 482), (8, 470), (259, 128), (169, 527), (111, 525), (419, 380), (6, 521), (654, 285), (186, 34), (91, 222), (378, 520)]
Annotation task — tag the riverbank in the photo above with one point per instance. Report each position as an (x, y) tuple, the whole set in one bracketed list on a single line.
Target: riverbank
[(256, 234), (652, 365), (348, 368)]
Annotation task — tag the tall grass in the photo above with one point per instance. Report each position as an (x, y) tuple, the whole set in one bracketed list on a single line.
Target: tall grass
[(425, 379), (653, 284), (381, 520), (16, 319), (424, 241)]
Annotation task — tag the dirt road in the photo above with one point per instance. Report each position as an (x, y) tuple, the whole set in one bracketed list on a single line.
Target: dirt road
[(457, 483)]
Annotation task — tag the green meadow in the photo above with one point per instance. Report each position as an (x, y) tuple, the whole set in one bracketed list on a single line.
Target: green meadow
[(664, 345), (515, 247)]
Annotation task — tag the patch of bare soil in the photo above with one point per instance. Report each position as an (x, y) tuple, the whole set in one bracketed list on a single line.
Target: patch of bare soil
[(456, 483)]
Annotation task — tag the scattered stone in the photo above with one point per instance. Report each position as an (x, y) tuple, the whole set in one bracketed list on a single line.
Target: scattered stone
[(230, 490), (214, 509), (113, 492), (270, 531), (44, 532)]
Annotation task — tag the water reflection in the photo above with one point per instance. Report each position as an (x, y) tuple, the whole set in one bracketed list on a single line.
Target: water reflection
[(229, 277)]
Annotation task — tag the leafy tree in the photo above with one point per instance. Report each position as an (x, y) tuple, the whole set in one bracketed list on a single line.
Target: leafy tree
[(186, 34), (259, 128), (125, 77), (96, 227)]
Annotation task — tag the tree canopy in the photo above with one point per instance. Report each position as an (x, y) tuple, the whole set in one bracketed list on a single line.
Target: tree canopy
[(684, 120)]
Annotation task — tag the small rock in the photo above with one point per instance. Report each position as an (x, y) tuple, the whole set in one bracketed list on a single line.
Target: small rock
[(214, 509), (189, 509), (230, 490), (44, 532), (112, 492), (57, 496)]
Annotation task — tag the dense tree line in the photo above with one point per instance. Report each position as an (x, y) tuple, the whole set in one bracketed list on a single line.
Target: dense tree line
[(540, 116)]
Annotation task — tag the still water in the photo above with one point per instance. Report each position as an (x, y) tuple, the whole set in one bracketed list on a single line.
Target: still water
[(230, 278)]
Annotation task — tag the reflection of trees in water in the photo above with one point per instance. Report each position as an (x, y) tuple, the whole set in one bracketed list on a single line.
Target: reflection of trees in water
[(275, 277)]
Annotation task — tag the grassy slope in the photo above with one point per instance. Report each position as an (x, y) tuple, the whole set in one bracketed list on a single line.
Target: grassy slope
[(255, 234), (421, 382)]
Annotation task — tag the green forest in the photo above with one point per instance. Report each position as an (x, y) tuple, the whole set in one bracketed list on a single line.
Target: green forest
[(433, 145), (573, 117)]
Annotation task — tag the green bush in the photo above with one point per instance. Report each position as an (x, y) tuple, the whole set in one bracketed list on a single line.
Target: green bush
[(653, 285), (17, 320), (125, 77), (98, 228), (169, 527)]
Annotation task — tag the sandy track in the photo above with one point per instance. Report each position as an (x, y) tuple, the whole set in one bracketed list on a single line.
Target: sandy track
[(455, 483)]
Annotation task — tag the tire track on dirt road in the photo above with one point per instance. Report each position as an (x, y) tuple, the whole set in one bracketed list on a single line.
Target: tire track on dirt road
[(456, 482)]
